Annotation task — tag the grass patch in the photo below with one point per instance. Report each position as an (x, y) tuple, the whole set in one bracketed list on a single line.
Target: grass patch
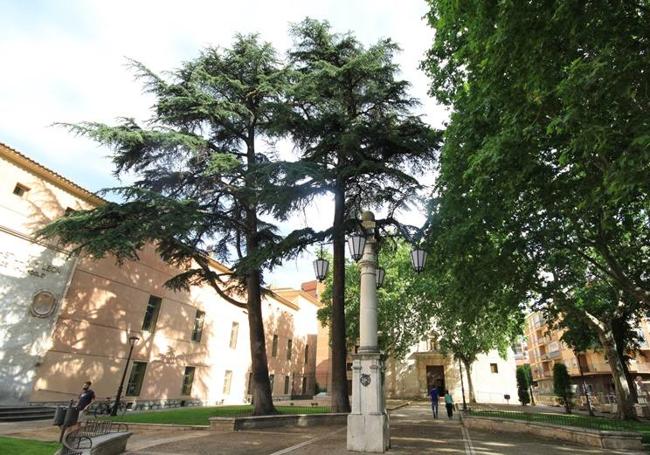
[(572, 420), (200, 416), (15, 446)]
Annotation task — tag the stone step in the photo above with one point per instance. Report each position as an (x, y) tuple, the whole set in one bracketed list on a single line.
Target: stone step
[(17, 414)]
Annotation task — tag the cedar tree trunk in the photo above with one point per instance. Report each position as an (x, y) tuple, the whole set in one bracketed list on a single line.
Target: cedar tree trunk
[(340, 399)]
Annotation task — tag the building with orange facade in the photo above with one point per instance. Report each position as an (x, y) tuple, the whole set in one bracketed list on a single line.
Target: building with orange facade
[(66, 319), (545, 348)]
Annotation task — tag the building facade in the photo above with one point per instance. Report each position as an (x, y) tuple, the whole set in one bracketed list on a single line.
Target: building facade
[(493, 377), (545, 349), (65, 320)]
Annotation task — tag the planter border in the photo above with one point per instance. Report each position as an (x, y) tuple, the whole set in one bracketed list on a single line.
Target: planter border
[(164, 426), (605, 439), (272, 421)]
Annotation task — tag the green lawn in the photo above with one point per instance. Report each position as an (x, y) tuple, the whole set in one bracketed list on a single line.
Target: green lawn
[(15, 446), (199, 416), (573, 420)]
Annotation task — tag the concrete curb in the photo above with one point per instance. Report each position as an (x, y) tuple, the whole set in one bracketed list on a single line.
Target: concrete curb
[(242, 423), (274, 421), (399, 406), (605, 439)]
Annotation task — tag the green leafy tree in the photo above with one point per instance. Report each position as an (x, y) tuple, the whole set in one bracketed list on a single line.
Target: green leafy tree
[(597, 314), (350, 119), (529, 379), (201, 181), (562, 386), (468, 332), (523, 385), (546, 155)]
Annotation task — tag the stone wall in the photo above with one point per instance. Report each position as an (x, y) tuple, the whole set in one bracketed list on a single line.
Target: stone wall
[(33, 280)]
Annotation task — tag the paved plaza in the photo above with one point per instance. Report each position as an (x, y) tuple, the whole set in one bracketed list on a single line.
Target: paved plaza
[(413, 431)]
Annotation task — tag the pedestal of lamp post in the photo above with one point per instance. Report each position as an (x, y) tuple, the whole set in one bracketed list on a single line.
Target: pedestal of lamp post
[(368, 424)]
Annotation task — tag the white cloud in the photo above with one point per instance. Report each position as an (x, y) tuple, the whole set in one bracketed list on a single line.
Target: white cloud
[(65, 62)]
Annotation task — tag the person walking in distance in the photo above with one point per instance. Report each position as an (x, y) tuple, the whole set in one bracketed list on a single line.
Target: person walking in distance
[(449, 404), (434, 394)]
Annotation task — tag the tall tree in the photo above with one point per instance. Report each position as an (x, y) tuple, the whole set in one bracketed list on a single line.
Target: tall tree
[(547, 150), (200, 182), (562, 386), (350, 121), (522, 386), (468, 332)]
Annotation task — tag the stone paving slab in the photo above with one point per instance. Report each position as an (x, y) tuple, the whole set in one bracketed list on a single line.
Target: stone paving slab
[(413, 431)]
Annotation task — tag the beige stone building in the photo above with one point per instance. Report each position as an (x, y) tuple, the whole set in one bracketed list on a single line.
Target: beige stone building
[(65, 320), (493, 377), (545, 349)]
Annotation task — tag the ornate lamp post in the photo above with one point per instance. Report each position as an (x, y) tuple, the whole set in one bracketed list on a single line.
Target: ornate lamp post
[(381, 274), (368, 424), (320, 267), (132, 340)]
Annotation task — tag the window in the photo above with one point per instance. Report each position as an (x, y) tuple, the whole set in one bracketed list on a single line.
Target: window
[(234, 333), (286, 385), (188, 379), (348, 366), (227, 380), (250, 383), (271, 380), (304, 385), (494, 368), (197, 333), (20, 190), (289, 346), (135, 379), (151, 313), (306, 354), (274, 349)]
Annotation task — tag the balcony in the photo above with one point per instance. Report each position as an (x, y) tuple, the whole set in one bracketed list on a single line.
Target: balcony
[(639, 367)]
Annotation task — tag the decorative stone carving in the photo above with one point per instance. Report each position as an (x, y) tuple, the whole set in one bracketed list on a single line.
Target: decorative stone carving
[(43, 304)]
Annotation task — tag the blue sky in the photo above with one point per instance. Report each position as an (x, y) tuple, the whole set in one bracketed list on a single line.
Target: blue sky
[(65, 61)]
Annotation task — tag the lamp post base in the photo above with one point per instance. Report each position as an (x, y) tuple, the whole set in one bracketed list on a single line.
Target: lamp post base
[(368, 433), (368, 422)]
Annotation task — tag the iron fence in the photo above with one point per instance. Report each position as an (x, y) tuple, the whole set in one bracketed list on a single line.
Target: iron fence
[(569, 420)]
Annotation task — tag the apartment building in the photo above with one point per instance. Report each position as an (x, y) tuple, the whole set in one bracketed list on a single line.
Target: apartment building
[(65, 320), (545, 349)]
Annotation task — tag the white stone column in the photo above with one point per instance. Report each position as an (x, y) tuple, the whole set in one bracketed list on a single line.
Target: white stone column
[(368, 424), (368, 289)]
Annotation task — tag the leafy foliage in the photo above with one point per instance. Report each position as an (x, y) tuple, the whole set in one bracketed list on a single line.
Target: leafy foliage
[(543, 188), (349, 116), (562, 386), (203, 183), (523, 386)]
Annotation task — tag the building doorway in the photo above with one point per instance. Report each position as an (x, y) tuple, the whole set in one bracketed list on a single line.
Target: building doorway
[(435, 377)]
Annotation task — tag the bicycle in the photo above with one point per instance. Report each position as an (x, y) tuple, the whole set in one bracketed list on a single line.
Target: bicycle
[(105, 407)]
